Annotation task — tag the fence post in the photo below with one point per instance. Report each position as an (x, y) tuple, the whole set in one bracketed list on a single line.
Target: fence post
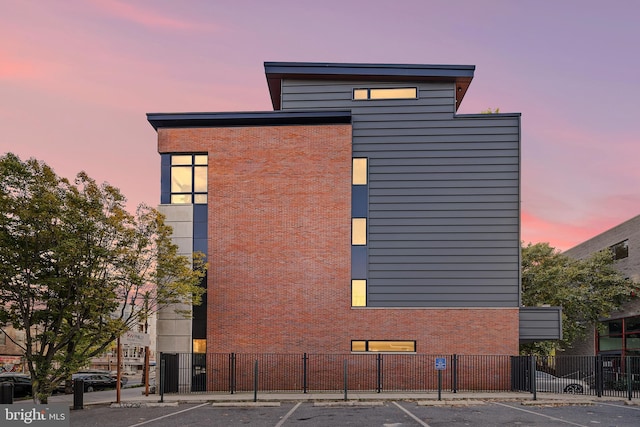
[(345, 379), (232, 372), (629, 377), (532, 376), (162, 376), (599, 375), (255, 382), (379, 369), (454, 372), (304, 372)]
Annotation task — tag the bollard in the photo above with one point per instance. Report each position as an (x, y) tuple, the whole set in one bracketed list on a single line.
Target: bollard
[(78, 393), (6, 393)]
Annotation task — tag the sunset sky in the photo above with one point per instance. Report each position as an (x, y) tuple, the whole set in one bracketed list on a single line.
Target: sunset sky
[(78, 76)]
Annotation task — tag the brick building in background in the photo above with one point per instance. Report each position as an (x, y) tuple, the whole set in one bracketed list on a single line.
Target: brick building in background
[(361, 215), (621, 331)]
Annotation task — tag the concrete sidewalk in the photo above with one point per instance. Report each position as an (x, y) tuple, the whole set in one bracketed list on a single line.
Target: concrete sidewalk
[(135, 397)]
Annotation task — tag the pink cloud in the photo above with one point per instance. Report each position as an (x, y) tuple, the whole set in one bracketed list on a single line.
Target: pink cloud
[(144, 16), (12, 67)]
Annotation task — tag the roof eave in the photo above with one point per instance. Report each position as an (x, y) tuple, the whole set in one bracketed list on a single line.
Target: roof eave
[(275, 72)]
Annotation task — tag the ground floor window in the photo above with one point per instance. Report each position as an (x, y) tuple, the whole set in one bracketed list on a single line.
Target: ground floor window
[(383, 346), (620, 336)]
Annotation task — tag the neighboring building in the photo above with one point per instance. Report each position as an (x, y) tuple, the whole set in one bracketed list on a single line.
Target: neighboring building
[(621, 335), (11, 353), (362, 215), (132, 355)]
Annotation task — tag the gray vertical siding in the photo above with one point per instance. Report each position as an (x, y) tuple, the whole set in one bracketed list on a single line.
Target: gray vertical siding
[(443, 226)]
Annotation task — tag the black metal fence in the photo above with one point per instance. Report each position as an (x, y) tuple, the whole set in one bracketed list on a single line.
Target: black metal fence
[(235, 372)]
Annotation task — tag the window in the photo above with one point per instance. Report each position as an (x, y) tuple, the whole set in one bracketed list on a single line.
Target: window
[(385, 93), (620, 250), (383, 346), (358, 293), (358, 231), (189, 178), (199, 346), (359, 171), (359, 213)]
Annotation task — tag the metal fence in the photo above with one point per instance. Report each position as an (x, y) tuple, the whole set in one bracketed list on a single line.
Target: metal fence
[(242, 372)]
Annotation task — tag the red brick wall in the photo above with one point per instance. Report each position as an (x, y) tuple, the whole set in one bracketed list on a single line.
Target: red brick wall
[(280, 250)]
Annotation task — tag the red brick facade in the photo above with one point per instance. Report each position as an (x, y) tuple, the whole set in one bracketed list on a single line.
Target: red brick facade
[(279, 278)]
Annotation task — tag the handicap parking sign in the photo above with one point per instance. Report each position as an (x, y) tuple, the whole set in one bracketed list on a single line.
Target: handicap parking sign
[(441, 363)]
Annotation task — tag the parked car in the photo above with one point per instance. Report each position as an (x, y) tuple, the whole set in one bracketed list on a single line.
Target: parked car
[(92, 382), (551, 383), (97, 381), (21, 383), (113, 374)]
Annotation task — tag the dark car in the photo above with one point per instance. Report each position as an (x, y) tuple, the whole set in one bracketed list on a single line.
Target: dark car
[(21, 383), (96, 381), (112, 374)]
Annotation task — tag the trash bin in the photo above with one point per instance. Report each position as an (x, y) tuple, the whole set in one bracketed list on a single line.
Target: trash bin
[(78, 393), (6, 393)]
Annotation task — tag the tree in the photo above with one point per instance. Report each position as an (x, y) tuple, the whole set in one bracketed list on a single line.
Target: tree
[(76, 267), (587, 289)]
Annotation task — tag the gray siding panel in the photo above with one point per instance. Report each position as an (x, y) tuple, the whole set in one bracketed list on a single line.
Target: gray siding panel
[(540, 323), (443, 227)]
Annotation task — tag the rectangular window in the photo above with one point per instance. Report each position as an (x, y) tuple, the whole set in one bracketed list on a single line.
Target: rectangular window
[(607, 343), (358, 346), (199, 346), (384, 346), (358, 231), (358, 293), (620, 250), (385, 93), (181, 181), (359, 171), (189, 178)]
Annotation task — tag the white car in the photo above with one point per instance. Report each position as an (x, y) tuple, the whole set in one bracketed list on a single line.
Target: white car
[(548, 382)]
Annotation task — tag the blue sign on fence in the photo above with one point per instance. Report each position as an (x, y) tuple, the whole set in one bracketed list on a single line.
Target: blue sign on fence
[(441, 363)]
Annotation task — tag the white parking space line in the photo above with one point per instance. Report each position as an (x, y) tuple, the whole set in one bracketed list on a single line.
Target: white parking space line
[(288, 414), (418, 420), (540, 415), (169, 415), (635, 408)]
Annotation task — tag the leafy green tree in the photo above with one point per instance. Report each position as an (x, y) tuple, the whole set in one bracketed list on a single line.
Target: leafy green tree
[(77, 270), (587, 289)]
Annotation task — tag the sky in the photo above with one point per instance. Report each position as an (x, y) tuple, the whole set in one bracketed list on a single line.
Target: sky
[(77, 78)]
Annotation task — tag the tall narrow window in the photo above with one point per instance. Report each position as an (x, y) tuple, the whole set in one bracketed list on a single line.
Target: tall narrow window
[(359, 231), (189, 178), (358, 293), (359, 171)]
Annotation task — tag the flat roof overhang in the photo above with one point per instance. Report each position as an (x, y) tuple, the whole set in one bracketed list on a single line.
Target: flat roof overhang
[(256, 118), (461, 75)]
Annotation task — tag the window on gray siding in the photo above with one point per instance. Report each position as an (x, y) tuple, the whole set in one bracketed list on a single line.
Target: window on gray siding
[(385, 93)]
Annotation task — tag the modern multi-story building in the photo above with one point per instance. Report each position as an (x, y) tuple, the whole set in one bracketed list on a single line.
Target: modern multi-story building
[(620, 335), (363, 214)]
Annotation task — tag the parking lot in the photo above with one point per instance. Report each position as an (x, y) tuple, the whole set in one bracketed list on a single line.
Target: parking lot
[(381, 413)]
